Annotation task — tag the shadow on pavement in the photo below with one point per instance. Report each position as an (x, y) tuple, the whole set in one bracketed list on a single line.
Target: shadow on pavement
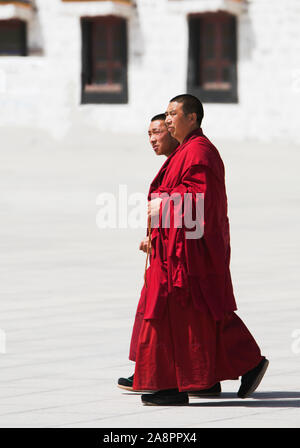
[(274, 399), (275, 394)]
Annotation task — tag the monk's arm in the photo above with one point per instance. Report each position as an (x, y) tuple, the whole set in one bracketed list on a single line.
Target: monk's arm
[(194, 185)]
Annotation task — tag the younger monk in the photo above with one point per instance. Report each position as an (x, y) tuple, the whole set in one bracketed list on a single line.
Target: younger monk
[(163, 144), (190, 338)]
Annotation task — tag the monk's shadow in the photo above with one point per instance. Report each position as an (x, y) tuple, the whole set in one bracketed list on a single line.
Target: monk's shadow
[(274, 399)]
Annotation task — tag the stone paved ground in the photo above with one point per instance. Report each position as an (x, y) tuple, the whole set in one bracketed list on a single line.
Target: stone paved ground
[(69, 290)]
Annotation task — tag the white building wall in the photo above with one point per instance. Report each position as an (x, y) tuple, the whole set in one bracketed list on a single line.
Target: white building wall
[(43, 89)]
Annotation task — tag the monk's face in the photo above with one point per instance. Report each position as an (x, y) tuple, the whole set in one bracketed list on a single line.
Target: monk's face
[(160, 139), (178, 123)]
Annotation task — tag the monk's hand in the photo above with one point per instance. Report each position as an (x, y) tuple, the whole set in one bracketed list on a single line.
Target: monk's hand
[(153, 207), (144, 244)]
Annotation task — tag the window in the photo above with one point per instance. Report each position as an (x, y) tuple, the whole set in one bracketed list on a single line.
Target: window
[(212, 71), (13, 38), (104, 60)]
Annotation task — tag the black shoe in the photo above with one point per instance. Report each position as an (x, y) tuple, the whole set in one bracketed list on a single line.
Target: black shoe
[(126, 383), (213, 391), (250, 381), (169, 397)]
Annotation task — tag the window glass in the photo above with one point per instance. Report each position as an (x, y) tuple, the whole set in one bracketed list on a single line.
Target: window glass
[(12, 38), (212, 71), (104, 60)]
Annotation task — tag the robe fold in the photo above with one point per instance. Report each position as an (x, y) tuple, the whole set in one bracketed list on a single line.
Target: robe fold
[(196, 269), (186, 334)]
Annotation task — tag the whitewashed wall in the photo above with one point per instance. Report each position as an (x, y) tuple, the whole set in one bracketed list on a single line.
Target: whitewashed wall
[(43, 89)]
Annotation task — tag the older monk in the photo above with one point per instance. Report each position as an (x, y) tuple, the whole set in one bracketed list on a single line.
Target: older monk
[(191, 338)]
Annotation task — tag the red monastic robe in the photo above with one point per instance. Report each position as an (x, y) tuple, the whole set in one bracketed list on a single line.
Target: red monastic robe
[(186, 334)]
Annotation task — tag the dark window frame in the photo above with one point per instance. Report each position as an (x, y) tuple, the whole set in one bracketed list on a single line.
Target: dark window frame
[(89, 62), (195, 59), (21, 25)]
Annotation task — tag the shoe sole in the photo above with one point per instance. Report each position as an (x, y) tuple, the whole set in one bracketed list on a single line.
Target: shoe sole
[(257, 382), (130, 389), (126, 387)]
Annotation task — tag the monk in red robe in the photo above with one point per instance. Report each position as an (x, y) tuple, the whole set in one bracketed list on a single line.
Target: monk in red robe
[(163, 144), (190, 338)]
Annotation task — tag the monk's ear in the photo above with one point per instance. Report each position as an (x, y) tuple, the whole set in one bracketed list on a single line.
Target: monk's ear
[(193, 117)]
